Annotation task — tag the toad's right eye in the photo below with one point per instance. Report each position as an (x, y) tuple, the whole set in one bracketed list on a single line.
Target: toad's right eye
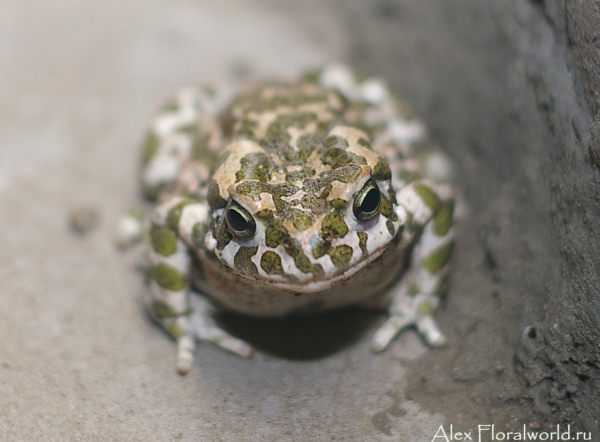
[(240, 222)]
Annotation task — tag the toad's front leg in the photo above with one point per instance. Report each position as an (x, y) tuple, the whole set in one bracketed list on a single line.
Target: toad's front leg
[(173, 228), (415, 298)]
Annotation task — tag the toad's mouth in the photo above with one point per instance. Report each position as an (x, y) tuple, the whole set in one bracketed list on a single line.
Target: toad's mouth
[(312, 285)]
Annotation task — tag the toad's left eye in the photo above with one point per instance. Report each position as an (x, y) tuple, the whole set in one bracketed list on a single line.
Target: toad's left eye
[(367, 202)]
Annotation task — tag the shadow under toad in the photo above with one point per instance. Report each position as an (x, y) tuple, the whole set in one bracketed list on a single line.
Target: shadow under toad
[(302, 337)]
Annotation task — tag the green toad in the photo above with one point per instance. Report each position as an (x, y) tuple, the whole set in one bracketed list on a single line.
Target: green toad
[(291, 198)]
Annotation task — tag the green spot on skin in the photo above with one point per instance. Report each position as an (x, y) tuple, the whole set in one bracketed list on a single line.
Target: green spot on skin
[(264, 214), (242, 261), (255, 166), (175, 214), (340, 256), (346, 174), (392, 195), (221, 233), (334, 141), (162, 310), (409, 220), (442, 221), (301, 220), (362, 242), (277, 191), (271, 263), (299, 121), (169, 278), (164, 240), (198, 233), (334, 225), (438, 258), (299, 175), (275, 233), (150, 148), (364, 143), (426, 309), (320, 249), (382, 171), (387, 209), (335, 157), (326, 191), (307, 143), (175, 330), (293, 249), (442, 286), (313, 204), (428, 196), (214, 196), (334, 153), (338, 204), (390, 227), (277, 134), (304, 264)]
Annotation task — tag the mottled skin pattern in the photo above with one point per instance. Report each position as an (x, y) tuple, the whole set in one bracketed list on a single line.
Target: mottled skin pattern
[(295, 197)]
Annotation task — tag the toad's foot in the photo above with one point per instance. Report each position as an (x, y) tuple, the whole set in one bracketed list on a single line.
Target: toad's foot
[(408, 311), (203, 328)]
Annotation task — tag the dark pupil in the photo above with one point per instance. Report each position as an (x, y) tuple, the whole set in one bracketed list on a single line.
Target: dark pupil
[(236, 221), (370, 201)]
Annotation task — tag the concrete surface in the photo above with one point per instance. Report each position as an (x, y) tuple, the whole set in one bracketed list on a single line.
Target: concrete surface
[(79, 360)]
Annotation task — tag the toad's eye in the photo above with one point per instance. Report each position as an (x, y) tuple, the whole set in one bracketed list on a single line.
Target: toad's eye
[(367, 201), (240, 222)]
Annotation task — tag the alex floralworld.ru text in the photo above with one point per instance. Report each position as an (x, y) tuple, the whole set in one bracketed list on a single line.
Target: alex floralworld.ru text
[(486, 433)]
